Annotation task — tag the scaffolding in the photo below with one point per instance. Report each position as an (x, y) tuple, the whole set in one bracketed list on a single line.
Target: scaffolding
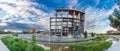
[(67, 22)]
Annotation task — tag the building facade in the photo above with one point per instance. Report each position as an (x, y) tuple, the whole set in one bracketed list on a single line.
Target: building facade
[(67, 22), (33, 31)]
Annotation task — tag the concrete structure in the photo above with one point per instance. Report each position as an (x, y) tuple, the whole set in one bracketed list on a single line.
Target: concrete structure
[(67, 22)]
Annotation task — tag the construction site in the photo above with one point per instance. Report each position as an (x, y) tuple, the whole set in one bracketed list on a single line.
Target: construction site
[(67, 26), (67, 22)]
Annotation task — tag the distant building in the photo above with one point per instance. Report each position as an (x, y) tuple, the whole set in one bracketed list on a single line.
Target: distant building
[(2, 30), (110, 31), (8, 31), (33, 31)]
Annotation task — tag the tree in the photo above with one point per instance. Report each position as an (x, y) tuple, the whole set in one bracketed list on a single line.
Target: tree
[(33, 38), (85, 34), (115, 19), (92, 34), (118, 3), (26, 32)]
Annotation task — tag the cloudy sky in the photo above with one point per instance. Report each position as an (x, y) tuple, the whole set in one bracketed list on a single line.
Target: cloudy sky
[(26, 14)]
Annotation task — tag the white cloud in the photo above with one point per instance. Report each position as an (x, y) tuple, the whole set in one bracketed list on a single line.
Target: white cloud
[(95, 19), (72, 3), (3, 24), (22, 11), (97, 1), (45, 22)]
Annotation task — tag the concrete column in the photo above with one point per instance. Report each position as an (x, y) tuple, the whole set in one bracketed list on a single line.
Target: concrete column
[(56, 23), (67, 25), (73, 22)]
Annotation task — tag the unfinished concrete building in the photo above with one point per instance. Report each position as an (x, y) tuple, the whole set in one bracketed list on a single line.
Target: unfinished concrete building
[(67, 22)]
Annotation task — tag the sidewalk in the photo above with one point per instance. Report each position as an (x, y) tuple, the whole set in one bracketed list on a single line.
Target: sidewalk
[(2, 46), (116, 47)]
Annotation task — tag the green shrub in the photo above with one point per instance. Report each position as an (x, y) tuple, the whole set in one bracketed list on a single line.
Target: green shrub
[(100, 38), (17, 44), (98, 46), (115, 33), (15, 34), (25, 32), (85, 34)]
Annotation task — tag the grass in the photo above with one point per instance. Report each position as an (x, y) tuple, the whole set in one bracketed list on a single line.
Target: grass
[(97, 44), (18, 44)]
